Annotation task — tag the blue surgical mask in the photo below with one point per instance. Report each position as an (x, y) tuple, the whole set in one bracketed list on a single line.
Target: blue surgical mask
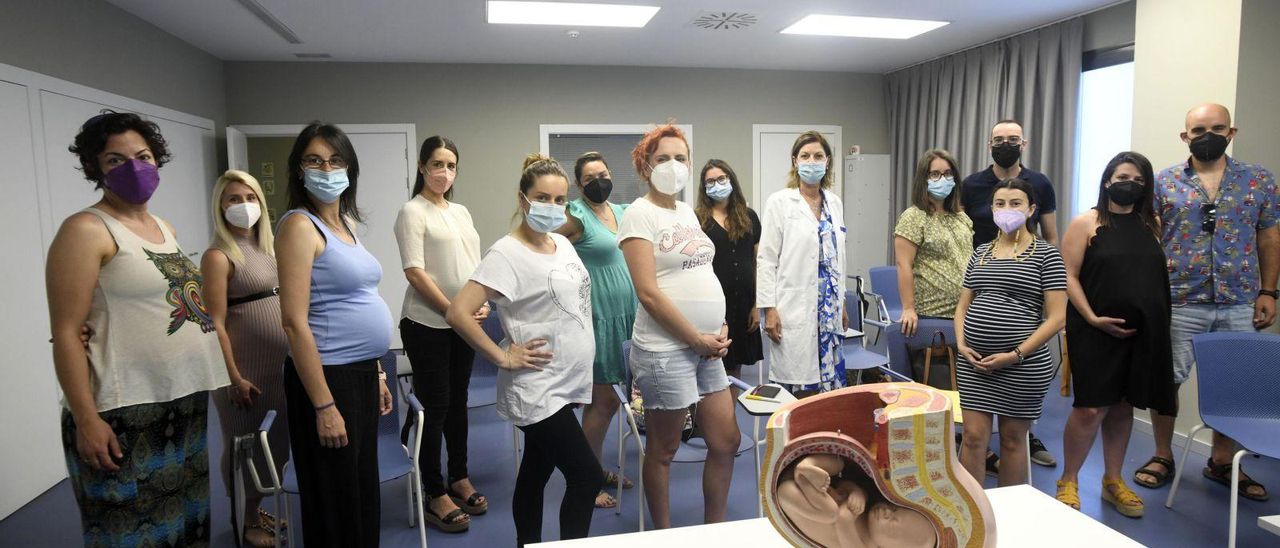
[(719, 191), (544, 217), (326, 186), (941, 188), (811, 172)]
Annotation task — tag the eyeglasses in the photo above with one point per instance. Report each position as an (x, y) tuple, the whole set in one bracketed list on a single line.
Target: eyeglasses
[(1208, 217), (1014, 140), (717, 180), (316, 162), (936, 175)]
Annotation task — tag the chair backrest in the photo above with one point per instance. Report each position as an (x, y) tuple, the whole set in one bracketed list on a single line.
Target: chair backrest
[(884, 281), (1237, 375), (853, 304)]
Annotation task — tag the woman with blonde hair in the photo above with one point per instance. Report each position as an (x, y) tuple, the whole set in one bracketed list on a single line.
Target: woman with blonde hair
[(800, 273), (240, 293)]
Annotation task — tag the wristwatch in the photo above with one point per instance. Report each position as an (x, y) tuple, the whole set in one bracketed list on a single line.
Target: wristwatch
[(1270, 293)]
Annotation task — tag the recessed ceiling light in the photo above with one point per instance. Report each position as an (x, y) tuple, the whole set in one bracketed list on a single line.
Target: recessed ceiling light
[(569, 14), (862, 27)]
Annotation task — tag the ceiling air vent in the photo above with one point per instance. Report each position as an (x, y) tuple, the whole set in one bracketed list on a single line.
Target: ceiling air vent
[(724, 20)]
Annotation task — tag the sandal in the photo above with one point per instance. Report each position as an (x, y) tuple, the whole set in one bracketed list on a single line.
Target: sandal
[(265, 540), (1221, 473), (1161, 478), (475, 504), (1125, 501), (456, 521), (605, 500), (1068, 493), (267, 520), (611, 479)]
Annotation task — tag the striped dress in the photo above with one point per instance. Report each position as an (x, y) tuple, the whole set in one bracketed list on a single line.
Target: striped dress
[(259, 345), (1007, 307)]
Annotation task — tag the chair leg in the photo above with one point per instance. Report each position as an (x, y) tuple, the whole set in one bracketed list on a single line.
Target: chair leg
[(1235, 496), (1177, 476), (515, 447), (622, 455), (1028, 445), (409, 495), (288, 513)]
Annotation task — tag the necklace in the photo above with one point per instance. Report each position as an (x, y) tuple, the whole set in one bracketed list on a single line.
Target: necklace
[(1019, 257), (815, 205)]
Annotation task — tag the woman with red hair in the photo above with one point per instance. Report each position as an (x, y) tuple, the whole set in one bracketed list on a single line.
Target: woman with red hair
[(680, 335)]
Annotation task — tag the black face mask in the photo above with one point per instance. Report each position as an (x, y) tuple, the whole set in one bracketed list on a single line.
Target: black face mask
[(1006, 154), (1209, 147), (598, 190), (1125, 193)]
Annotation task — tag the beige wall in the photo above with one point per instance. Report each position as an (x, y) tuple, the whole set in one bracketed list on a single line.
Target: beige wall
[(493, 111), (1172, 74), (96, 44)]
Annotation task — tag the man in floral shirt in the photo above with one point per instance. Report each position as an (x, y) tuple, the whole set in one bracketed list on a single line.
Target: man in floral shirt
[(1218, 217)]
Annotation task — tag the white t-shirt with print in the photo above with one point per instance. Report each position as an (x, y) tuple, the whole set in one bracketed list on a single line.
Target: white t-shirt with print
[(542, 297), (682, 255)]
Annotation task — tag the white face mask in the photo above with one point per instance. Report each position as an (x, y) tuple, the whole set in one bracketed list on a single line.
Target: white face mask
[(669, 177), (243, 215)]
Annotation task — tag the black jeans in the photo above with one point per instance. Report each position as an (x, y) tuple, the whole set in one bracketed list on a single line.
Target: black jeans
[(556, 442), (341, 499), (441, 363)]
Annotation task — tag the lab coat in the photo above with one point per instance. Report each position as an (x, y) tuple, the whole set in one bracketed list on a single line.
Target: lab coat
[(787, 279)]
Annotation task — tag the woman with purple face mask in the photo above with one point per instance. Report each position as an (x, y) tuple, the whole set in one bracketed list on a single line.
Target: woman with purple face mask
[(136, 397), (1013, 301)]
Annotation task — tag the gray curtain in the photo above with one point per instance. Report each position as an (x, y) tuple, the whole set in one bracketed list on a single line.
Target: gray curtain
[(952, 103)]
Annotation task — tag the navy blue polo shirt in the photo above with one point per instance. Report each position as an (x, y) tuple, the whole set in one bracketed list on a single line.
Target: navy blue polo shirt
[(975, 194)]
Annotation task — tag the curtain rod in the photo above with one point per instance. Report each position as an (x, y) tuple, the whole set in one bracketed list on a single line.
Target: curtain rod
[(1019, 33)]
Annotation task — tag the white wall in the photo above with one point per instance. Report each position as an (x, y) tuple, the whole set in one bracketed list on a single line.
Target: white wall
[(1172, 74), (39, 117)]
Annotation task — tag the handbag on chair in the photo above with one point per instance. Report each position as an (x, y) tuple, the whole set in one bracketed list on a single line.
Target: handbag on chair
[(938, 345)]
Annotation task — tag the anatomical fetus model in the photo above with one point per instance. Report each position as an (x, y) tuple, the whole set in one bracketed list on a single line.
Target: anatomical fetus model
[(872, 466)]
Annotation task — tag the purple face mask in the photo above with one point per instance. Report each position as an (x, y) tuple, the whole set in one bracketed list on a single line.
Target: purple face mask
[(1009, 220), (133, 181)]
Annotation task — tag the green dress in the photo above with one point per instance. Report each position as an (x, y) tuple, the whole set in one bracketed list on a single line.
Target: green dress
[(613, 298)]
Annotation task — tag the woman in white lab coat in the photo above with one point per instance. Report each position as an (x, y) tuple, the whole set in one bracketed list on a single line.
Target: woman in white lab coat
[(800, 274)]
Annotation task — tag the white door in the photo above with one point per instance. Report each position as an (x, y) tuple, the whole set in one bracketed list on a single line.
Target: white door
[(866, 212), (384, 188), (31, 457), (772, 158)]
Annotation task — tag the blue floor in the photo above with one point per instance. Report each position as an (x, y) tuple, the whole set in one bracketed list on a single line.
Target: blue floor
[(1198, 519)]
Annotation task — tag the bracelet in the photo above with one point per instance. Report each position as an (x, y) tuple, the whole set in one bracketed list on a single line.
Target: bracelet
[(327, 405), (382, 376), (1019, 353)]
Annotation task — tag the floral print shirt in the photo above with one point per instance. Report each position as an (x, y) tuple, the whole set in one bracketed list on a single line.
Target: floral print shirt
[(1218, 265)]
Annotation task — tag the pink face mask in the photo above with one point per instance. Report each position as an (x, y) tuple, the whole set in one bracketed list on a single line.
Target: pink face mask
[(133, 181), (1009, 220), (439, 180)]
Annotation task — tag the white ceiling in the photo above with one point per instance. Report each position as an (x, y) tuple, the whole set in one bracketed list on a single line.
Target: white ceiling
[(437, 31)]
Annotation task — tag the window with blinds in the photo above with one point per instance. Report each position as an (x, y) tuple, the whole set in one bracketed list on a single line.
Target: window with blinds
[(616, 148)]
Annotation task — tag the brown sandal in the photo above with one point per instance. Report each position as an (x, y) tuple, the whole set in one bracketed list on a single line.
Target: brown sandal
[(1221, 473), (456, 521), (1161, 478)]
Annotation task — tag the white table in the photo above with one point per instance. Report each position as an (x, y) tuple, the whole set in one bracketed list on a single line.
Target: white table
[(1270, 524), (1024, 517)]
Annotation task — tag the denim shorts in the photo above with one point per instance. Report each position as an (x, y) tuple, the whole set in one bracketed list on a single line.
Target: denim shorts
[(676, 379), (1194, 319)]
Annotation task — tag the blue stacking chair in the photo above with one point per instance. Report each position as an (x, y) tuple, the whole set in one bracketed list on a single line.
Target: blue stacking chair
[(884, 288), (395, 460), (856, 355), (1237, 399)]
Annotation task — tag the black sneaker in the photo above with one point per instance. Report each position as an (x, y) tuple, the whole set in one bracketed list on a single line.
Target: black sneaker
[(1040, 455)]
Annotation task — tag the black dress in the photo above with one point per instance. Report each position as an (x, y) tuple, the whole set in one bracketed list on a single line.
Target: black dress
[(1123, 275), (735, 266)]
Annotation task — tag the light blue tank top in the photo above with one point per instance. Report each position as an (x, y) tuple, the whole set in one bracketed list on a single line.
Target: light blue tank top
[(349, 320)]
